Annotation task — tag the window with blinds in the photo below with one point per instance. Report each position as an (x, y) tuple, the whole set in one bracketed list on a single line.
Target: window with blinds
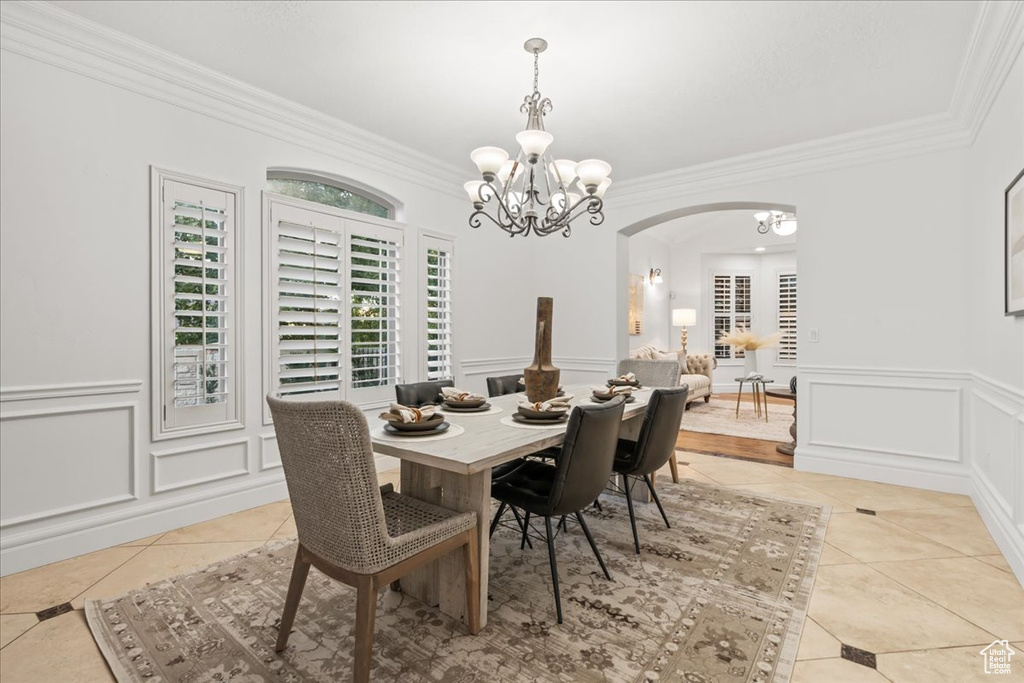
[(374, 308), (438, 255), (334, 305), (310, 269), (198, 350), (787, 317), (731, 307)]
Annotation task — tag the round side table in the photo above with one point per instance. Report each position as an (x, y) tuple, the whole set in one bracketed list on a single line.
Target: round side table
[(757, 387), (786, 448)]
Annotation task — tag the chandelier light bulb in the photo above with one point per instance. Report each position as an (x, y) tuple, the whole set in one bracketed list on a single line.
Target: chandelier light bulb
[(559, 203), (489, 160), (592, 172), (534, 143)]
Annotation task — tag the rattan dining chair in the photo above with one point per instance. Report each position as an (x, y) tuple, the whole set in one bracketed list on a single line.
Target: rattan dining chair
[(350, 529)]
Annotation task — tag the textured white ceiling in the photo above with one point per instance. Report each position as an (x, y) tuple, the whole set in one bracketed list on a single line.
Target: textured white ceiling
[(648, 86)]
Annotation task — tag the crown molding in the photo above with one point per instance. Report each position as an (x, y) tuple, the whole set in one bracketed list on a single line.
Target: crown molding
[(54, 36), (918, 136), (996, 40)]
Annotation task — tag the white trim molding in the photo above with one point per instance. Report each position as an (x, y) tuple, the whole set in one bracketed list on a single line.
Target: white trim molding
[(996, 40), (48, 391), (236, 469), (131, 465), (65, 40)]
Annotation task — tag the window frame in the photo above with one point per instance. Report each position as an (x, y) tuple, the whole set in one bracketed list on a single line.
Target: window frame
[(347, 184), (732, 274), (160, 275), (432, 240), (366, 397), (779, 274)]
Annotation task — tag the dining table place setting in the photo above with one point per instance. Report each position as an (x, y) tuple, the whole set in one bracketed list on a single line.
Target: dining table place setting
[(423, 422), (544, 412), (607, 393), (455, 400)]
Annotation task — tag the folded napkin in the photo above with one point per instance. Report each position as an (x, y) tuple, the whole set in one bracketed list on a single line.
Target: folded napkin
[(554, 405), (453, 394), (400, 413), (612, 391), (628, 377)]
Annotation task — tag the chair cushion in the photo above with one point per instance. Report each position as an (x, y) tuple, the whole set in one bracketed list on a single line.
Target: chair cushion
[(528, 487), (505, 469), (405, 514)]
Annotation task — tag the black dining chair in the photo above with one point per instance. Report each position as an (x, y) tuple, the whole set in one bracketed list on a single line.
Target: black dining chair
[(640, 459), (421, 394), (504, 385), (569, 484)]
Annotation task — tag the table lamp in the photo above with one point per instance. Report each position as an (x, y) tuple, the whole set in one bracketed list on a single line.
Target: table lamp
[(681, 317)]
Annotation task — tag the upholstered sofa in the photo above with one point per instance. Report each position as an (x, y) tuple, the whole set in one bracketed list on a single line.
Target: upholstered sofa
[(694, 369)]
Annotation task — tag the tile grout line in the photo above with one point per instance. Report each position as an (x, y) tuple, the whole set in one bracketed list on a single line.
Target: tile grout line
[(926, 598), (93, 584)]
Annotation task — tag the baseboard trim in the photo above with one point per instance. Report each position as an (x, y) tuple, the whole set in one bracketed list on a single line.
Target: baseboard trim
[(1007, 535), (946, 477), (19, 552)]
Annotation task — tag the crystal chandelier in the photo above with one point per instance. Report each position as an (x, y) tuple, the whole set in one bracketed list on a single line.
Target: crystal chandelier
[(780, 223), (529, 192)]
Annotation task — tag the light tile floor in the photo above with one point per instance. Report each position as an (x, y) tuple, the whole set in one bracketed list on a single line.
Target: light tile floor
[(920, 584)]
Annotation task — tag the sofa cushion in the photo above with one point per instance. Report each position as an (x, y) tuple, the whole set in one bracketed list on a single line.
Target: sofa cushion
[(645, 352), (696, 383)]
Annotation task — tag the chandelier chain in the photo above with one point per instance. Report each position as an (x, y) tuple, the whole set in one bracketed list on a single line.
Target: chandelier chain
[(536, 71)]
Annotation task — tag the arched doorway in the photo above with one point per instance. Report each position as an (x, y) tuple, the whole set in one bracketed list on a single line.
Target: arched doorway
[(622, 246)]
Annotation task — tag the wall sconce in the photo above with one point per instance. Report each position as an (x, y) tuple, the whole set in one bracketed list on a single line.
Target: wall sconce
[(655, 276)]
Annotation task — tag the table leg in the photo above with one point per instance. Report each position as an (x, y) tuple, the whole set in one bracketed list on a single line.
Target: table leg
[(739, 395), (789, 448), (764, 395), (443, 582)]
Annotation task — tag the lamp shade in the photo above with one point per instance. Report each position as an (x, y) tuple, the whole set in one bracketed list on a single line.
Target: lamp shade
[(489, 159), (603, 187), (562, 170), (786, 226), (592, 171), (478, 191), (506, 174), (534, 142), (681, 317)]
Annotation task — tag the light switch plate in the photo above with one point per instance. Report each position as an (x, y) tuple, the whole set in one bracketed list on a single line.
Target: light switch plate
[(812, 335)]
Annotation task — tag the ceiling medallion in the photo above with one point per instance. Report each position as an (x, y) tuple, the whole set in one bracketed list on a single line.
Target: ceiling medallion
[(779, 222), (529, 192)]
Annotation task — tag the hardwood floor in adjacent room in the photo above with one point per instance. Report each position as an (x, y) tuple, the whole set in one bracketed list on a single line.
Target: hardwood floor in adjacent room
[(756, 450)]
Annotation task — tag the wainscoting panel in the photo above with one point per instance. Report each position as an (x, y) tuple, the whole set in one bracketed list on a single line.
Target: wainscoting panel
[(270, 457), (92, 447), (182, 467), (913, 420)]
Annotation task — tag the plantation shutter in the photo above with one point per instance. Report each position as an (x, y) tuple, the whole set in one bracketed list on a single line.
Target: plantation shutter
[(373, 305), (309, 288), (200, 369), (732, 306), (787, 317), (438, 308)]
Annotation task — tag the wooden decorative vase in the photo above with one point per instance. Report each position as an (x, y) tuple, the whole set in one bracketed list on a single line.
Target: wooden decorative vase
[(541, 376)]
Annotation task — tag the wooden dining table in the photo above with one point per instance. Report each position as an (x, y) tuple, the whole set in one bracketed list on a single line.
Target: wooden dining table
[(455, 473)]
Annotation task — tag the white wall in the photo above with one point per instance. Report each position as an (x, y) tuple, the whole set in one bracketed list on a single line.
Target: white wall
[(647, 252), (79, 134), (995, 343)]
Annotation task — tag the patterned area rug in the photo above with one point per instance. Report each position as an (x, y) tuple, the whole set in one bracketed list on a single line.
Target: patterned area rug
[(720, 597), (719, 417)]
